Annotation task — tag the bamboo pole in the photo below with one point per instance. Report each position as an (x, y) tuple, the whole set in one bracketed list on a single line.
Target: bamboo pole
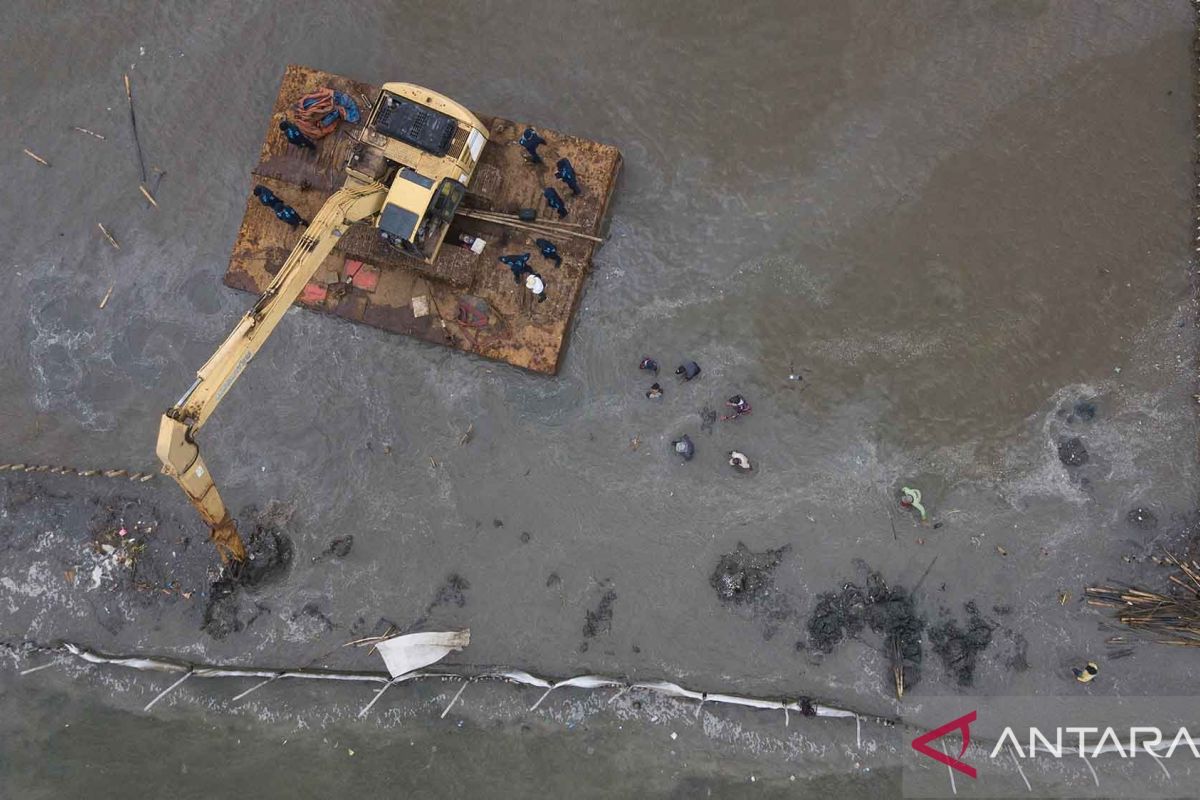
[(533, 228), (85, 130), (133, 123), (108, 235), (517, 217)]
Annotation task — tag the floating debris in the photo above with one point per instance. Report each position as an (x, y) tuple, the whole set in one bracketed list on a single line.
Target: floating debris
[(36, 157), (403, 654), (146, 192), (85, 130), (1166, 618), (911, 498), (108, 235)]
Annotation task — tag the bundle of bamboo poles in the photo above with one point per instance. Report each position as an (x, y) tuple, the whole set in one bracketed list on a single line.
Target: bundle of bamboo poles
[(547, 228), (1166, 618)]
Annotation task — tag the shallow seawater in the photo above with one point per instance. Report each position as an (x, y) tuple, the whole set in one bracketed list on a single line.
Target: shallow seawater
[(954, 221)]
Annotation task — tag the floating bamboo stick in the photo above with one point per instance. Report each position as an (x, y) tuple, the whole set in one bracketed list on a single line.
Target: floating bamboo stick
[(148, 196), (107, 295), (108, 235), (36, 157), (85, 130)]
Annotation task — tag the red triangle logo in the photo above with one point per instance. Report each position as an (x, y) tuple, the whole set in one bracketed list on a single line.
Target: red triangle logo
[(963, 723)]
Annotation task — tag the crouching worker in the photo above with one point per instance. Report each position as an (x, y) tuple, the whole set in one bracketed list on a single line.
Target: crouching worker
[(739, 461), (684, 447)]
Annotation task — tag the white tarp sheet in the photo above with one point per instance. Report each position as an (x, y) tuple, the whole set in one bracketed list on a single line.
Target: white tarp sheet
[(403, 654)]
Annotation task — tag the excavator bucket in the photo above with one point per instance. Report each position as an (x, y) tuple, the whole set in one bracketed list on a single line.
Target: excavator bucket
[(228, 541)]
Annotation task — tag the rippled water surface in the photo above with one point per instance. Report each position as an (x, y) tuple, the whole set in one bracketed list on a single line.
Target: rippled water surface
[(951, 219)]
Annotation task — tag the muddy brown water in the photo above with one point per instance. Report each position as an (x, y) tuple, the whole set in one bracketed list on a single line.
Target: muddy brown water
[(955, 221)]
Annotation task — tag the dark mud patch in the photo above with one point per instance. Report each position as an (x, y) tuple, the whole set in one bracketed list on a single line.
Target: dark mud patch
[(1072, 453), (338, 548), (708, 419), (228, 610), (959, 647), (599, 619), (268, 556), (21, 492), (744, 576), (1142, 518), (745, 580), (313, 620), (452, 592), (268, 549), (889, 611)]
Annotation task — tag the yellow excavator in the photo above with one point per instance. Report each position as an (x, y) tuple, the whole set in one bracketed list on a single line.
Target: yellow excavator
[(407, 172)]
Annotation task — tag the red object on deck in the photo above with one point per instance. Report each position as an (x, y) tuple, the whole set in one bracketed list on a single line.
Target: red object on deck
[(314, 294), (366, 277)]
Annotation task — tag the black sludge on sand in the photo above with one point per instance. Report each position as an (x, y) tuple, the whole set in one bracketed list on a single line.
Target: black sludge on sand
[(1142, 518), (744, 576), (1072, 453), (888, 611), (599, 620), (959, 648), (268, 555)]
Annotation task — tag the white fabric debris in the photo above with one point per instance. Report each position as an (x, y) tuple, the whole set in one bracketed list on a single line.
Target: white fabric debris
[(404, 654)]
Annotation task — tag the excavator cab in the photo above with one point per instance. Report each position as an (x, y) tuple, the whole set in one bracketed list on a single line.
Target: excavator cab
[(417, 213), (426, 146)]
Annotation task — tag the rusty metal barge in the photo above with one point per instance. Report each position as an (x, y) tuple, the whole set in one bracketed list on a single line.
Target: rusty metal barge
[(465, 299)]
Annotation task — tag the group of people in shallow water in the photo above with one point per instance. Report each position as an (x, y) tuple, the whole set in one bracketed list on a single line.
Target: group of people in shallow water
[(684, 446)]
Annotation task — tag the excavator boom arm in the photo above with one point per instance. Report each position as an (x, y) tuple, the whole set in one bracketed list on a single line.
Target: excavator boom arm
[(177, 448)]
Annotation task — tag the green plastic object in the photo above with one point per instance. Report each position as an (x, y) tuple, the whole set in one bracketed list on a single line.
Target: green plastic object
[(913, 496)]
